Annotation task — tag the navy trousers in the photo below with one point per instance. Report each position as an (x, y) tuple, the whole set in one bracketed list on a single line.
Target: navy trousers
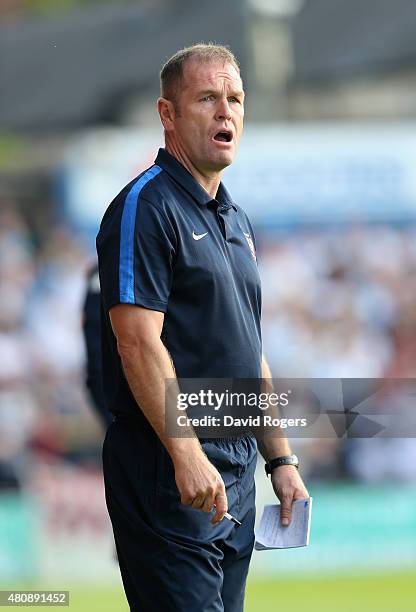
[(171, 558)]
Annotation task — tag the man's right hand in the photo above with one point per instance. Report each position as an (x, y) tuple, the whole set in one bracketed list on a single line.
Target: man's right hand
[(200, 484)]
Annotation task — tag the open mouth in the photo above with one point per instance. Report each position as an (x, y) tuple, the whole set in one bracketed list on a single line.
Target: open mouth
[(223, 136)]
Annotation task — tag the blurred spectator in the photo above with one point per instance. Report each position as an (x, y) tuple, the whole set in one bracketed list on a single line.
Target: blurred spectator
[(92, 337), (53, 318)]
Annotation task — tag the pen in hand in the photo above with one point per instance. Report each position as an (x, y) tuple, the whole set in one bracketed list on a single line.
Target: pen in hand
[(231, 518)]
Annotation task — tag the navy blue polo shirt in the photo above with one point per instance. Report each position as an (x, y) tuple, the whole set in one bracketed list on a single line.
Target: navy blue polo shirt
[(165, 244)]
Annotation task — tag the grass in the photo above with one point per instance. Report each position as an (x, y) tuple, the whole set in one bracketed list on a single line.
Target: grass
[(367, 594)]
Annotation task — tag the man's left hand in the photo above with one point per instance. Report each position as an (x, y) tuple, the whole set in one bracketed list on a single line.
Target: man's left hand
[(288, 486)]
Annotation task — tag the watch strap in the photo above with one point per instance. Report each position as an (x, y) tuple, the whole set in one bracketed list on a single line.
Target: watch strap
[(278, 461)]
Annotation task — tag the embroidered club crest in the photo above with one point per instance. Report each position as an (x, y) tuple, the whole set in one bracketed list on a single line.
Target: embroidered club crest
[(251, 245)]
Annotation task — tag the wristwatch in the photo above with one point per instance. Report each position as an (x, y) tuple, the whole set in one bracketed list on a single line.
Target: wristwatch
[(278, 461)]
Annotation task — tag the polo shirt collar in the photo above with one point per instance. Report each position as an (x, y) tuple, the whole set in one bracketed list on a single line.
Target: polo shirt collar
[(178, 172)]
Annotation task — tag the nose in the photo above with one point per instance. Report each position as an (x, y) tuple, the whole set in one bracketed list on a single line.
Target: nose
[(223, 110)]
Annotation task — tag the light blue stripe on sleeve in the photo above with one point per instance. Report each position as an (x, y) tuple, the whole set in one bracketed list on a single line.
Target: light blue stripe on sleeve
[(128, 222)]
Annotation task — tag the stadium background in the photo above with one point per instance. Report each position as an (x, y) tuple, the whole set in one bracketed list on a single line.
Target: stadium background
[(326, 172)]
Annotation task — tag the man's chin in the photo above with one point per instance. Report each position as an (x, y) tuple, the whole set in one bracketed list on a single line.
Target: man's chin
[(223, 160)]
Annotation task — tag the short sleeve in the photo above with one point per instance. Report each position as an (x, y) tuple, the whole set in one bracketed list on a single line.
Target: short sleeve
[(136, 250)]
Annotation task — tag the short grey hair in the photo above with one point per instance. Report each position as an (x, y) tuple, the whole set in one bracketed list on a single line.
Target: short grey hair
[(171, 74)]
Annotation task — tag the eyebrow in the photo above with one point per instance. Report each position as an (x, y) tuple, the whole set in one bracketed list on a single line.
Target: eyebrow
[(206, 92)]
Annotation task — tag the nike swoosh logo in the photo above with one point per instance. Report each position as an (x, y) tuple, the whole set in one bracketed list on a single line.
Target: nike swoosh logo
[(198, 236)]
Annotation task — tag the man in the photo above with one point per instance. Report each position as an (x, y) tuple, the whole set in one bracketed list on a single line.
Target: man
[(181, 297), (91, 327)]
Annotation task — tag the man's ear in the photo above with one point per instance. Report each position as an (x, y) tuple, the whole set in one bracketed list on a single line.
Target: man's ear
[(166, 110)]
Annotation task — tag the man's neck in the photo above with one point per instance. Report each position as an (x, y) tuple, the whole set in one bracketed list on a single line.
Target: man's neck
[(209, 181)]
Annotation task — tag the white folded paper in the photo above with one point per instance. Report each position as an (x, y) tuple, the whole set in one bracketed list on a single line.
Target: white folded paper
[(271, 533)]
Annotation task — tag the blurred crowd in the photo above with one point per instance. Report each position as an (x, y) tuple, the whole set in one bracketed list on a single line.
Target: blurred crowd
[(44, 411), (340, 303), (337, 303)]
